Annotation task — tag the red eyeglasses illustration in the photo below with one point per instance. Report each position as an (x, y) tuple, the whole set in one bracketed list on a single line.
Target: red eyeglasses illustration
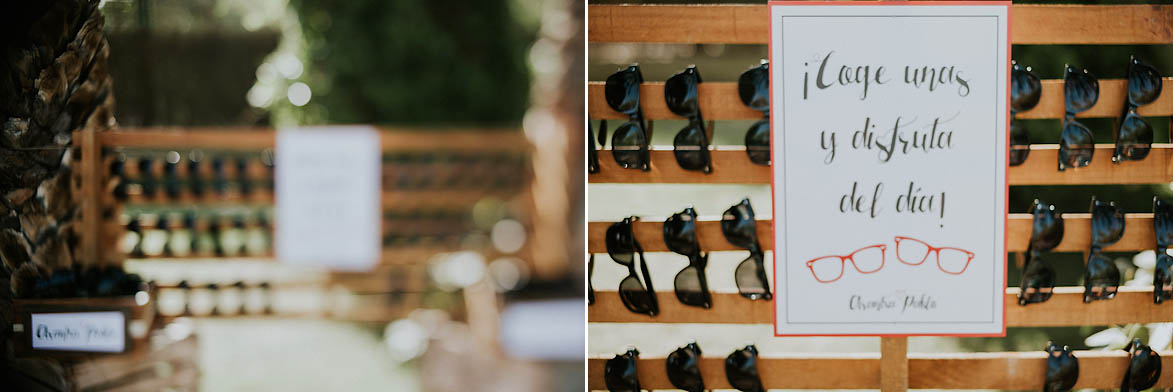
[(950, 260), (866, 260)]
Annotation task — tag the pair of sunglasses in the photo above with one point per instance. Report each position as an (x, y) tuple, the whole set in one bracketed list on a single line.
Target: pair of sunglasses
[(1025, 91), (1101, 278), (753, 86), (1038, 277), (1062, 368), (1081, 90), (1134, 135), (740, 229), (692, 288), (629, 143), (691, 145), (620, 374), (638, 297), (1163, 228), (1144, 367)]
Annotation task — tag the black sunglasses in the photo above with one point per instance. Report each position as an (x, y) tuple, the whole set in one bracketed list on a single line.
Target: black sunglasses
[(1144, 367), (691, 145), (740, 229), (592, 154), (753, 86), (1038, 277), (622, 246), (1062, 368), (1134, 135), (741, 369), (1101, 278), (692, 288), (590, 273), (1081, 90), (1163, 230), (683, 371), (629, 143), (1025, 91), (620, 372)]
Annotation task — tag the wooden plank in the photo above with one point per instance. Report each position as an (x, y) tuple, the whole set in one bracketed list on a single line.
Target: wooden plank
[(995, 370), (1132, 305), (732, 166), (1138, 234), (254, 138), (720, 101), (749, 24), (92, 180), (894, 364)]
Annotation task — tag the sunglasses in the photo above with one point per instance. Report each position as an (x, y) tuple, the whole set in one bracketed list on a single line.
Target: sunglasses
[(1038, 277), (1062, 368), (691, 145), (620, 372), (753, 86), (692, 288), (682, 368), (1144, 367), (592, 154), (740, 229), (1134, 135), (1025, 91), (629, 143), (623, 247), (1102, 278), (1163, 228), (741, 369), (1081, 90)]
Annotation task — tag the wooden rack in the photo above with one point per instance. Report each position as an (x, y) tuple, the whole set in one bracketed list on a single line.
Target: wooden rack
[(894, 369)]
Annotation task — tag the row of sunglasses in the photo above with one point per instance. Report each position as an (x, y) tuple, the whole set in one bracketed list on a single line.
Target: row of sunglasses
[(1101, 276), (692, 288), (1062, 371), (1081, 90), (629, 142)]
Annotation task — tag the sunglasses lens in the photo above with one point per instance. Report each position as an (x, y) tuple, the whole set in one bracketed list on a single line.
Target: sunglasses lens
[(1025, 90), (1019, 144), (683, 371), (753, 87), (741, 369), (690, 148), (628, 143), (620, 374), (620, 244), (757, 142), (737, 225), (1101, 278), (622, 91), (1107, 223), (1038, 281), (680, 233), (1135, 137), (1080, 90), (635, 297), (1047, 229), (1076, 145), (1144, 368), (680, 93), (1144, 84), (749, 276), (1062, 370), (688, 287), (1163, 277)]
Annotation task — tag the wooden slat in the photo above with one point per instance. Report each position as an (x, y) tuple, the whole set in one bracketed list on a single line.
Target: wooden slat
[(893, 364), (1132, 305), (719, 101), (1138, 234), (997, 370), (749, 24), (732, 166), (253, 138)]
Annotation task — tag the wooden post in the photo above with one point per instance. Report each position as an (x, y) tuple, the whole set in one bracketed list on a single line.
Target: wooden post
[(893, 364)]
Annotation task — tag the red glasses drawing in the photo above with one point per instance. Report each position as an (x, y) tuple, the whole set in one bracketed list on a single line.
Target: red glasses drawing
[(866, 260), (950, 260)]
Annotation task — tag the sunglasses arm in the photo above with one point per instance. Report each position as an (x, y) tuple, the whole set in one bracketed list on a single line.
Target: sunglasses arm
[(602, 133), (643, 265)]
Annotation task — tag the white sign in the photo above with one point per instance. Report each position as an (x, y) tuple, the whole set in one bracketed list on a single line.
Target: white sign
[(89, 331), (889, 126), (328, 196)]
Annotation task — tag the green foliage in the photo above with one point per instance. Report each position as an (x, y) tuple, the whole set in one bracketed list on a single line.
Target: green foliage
[(415, 62)]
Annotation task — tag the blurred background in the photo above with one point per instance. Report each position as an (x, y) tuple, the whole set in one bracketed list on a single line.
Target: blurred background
[(480, 286), (724, 63)]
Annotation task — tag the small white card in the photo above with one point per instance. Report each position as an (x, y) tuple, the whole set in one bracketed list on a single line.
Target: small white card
[(889, 124), (87, 331), (328, 196)]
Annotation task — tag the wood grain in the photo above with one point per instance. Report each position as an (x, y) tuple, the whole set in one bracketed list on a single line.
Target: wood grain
[(894, 364), (749, 24)]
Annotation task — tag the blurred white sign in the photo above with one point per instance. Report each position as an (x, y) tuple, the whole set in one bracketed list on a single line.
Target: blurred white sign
[(544, 330), (86, 331), (889, 126), (328, 196)]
